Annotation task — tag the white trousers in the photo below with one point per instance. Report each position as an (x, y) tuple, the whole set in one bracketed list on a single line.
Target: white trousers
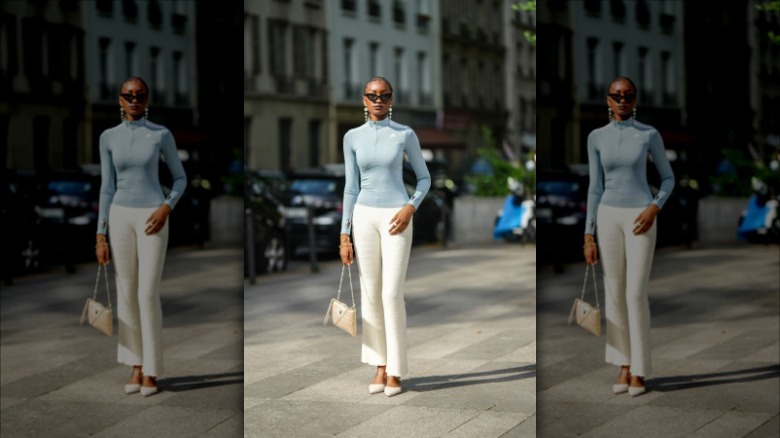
[(382, 259), (627, 260), (138, 262)]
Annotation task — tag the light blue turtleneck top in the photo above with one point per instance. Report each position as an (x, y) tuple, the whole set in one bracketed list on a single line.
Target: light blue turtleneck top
[(617, 159), (373, 159), (129, 162)]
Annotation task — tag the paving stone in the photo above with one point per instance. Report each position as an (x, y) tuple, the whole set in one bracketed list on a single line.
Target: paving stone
[(732, 424), (526, 429), (418, 422), (655, 422), (173, 422), (488, 425), (293, 418)]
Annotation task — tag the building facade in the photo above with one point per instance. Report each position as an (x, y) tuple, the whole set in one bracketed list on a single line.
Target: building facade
[(397, 40), (474, 78), (154, 40), (765, 71), (520, 80), (286, 87), (42, 77), (641, 39)]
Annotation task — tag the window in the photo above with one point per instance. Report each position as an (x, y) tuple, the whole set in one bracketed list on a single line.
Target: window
[(399, 75), (180, 78), (645, 77), (314, 142), (349, 5), (254, 37), (667, 79), (424, 79), (349, 89), (373, 59), (156, 74), (285, 151), (278, 46), (617, 59), (130, 66), (594, 81), (106, 62), (8, 65), (303, 51), (374, 9)]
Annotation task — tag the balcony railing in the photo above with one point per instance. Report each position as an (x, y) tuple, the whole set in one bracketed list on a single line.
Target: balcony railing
[(316, 87), (352, 91), (284, 84), (425, 98)]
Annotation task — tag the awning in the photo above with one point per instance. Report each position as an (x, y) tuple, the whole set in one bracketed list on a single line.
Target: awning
[(432, 138)]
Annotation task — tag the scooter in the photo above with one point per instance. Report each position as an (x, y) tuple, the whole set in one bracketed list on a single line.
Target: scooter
[(759, 222), (516, 221)]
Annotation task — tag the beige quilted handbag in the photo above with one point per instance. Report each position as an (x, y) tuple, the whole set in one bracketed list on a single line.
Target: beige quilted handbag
[(587, 316), (343, 316), (98, 315)]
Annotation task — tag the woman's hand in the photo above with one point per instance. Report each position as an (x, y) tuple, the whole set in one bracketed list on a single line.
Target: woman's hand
[(101, 250), (645, 220), (590, 250), (157, 220), (345, 250), (401, 220)]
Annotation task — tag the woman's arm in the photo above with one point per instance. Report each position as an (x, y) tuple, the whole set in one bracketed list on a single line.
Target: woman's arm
[(173, 162), (658, 152), (596, 185), (414, 152), (351, 191), (107, 184)]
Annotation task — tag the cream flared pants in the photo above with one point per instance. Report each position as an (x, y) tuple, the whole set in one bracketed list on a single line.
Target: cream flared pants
[(138, 262), (382, 259), (627, 260)]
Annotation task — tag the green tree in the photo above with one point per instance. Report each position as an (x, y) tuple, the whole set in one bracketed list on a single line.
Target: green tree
[(495, 183), (770, 6), (527, 6)]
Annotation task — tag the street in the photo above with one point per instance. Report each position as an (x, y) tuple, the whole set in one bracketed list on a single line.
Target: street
[(715, 350), (471, 349), (62, 379)]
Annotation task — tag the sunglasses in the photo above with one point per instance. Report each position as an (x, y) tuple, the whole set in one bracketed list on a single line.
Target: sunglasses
[(628, 97), (384, 97), (140, 97)]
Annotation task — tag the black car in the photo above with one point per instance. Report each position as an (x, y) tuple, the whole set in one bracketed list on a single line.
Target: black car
[(320, 191), (189, 221), (20, 251), (270, 242), (67, 203), (561, 206)]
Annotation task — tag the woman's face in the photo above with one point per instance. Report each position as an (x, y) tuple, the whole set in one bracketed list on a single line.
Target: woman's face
[(383, 96), (622, 99), (133, 98)]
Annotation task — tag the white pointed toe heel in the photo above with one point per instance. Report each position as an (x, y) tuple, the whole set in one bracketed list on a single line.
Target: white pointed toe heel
[(619, 388), (634, 391), (146, 391), (376, 388), (132, 388), (392, 390)]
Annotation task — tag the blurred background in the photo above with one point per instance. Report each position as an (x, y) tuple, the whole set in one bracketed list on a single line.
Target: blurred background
[(61, 65), (464, 78), (708, 79)]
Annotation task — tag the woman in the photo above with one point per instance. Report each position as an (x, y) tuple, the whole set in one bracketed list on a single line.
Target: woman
[(134, 210), (623, 210), (382, 220)]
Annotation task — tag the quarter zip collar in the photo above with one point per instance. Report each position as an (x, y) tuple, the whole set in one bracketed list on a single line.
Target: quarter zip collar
[(379, 123), (134, 123), (623, 123)]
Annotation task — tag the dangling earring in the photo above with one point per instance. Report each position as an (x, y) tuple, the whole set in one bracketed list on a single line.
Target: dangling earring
[(146, 113), (634, 112), (609, 113), (365, 113), (390, 115), (121, 114)]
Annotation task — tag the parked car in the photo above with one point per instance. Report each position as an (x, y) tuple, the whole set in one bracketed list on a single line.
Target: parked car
[(322, 191), (19, 252), (189, 221), (561, 206), (67, 203), (271, 244)]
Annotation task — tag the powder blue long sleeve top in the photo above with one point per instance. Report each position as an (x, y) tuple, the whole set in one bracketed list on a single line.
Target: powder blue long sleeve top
[(129, 162), (373, 159), (617, 160)]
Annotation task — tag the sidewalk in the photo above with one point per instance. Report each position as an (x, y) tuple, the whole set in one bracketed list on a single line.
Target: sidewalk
[(61, 379), (471, 347), (716, 351)]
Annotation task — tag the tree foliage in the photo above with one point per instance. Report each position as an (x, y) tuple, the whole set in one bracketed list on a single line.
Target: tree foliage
[(527, 6)]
